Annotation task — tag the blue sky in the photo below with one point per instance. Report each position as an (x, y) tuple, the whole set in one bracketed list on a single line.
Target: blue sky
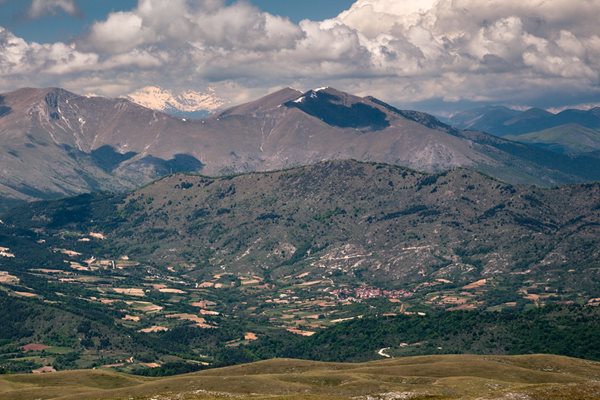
[(301, 9), (60, 26), (64, 27)]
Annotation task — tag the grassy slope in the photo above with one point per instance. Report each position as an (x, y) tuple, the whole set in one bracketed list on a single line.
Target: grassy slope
[(440, 377)]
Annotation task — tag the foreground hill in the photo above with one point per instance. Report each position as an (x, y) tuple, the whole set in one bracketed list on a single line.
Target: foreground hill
[(531, 377), (57, 143)]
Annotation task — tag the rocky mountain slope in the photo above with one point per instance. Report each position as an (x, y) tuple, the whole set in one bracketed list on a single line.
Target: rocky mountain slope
[(55, 143), (381, 224)]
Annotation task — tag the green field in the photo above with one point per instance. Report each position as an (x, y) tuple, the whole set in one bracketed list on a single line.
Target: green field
[(428, 377)]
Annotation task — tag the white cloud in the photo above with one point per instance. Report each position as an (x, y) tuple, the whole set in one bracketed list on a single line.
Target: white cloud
[(121, 32), (405, 51), (22, 59), (469, 46), (40, 8), (208, 24)]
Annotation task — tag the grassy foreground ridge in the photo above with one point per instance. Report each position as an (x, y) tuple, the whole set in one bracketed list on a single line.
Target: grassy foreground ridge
[(426, 377)]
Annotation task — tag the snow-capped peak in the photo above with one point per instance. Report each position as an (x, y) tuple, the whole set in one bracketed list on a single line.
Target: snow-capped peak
[(188, 101)]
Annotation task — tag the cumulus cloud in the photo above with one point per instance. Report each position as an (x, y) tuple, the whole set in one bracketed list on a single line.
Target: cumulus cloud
[(122, 31), (481, 50), (40, 8), (20, 58), (208, 24), (405, 51)]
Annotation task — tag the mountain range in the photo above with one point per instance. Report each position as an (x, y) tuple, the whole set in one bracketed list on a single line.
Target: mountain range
[(56, 143), (571, 131)]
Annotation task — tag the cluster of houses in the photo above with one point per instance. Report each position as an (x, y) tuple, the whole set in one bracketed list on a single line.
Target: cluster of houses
[(365, 292)]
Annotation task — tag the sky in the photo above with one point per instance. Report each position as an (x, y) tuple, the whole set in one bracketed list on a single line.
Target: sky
[(433, 55), (56, 22)]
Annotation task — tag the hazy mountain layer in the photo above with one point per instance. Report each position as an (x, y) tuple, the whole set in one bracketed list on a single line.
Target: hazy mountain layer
[(570, 138), (505, 121)]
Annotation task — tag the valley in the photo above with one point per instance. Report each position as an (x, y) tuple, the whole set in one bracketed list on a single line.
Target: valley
[(193, 272)]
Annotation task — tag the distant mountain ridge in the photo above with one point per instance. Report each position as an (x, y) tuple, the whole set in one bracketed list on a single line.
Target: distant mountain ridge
[(502, 121), (568, 138), (57, 143), (486, 119), (569, 131)]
